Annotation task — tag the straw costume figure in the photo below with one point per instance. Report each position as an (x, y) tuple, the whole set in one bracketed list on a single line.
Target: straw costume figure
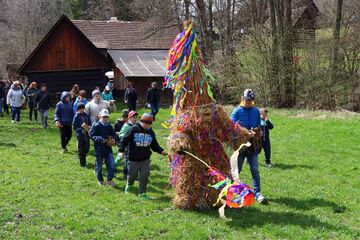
[(199, 164)]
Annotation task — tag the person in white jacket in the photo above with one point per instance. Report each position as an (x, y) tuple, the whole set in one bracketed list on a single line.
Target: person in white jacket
[(15, 98), (94, 107)]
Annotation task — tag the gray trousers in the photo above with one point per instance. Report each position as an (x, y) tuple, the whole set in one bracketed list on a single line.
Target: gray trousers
[(143, 168)]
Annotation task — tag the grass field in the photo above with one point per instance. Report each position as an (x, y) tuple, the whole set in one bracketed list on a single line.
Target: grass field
[(313, 188)]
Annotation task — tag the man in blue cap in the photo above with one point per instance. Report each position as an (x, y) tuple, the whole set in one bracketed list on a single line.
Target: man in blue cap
[(248, 116)]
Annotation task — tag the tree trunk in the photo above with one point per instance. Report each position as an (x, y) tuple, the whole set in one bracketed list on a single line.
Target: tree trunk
[(336, 41), (288, 58)]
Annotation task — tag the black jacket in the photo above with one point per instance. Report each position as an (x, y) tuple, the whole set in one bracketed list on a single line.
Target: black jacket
[(130, 95), (140, 141), (43, 100), (153, 96), (2, 91), (266, 126)]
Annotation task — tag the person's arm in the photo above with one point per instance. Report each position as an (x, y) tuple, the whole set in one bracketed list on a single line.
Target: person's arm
[(234, 116), (76, 123), (87, 108), (57, 113), (93, 134), (126, 95), (155, 145), (148, 96), (8, 97), (269, 124), (125, 140)]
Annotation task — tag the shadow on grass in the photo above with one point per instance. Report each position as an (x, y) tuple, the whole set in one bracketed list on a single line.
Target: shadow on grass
[(283, 166), (248, 217), (309, 204), (4, 144)]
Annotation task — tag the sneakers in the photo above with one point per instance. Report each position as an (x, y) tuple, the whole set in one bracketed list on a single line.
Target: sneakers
[(111, 183), (261, 199), (128, 188), (12, 121), (268, 165), (101, 183), (63, 150), (145, 196)]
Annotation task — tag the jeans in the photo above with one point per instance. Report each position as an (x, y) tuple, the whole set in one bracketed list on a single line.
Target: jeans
[(267, 150), (65, 135), (110, 166), (154, 109), (253, 162), (143, 168), (16, 111), (44, 114), (32, 110), (83, 148)]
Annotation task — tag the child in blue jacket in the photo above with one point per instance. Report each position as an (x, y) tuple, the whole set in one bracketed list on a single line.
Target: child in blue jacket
[(81, 124), (63, 119), (103, 135)]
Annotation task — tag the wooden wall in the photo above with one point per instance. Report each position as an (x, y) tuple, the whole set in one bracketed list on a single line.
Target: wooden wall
[(65, 49)]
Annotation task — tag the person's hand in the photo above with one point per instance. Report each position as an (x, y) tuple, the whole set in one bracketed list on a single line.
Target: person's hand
[(164, 153), (121, 155), (252, 133), (111, 103), (266, 118), (58, 124)]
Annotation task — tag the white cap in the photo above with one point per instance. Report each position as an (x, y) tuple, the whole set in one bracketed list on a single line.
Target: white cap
[(107, 88), (110, 74), (104, 113)]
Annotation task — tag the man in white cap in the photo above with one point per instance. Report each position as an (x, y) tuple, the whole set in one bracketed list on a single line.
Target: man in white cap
[(94, 107), (103, 136)]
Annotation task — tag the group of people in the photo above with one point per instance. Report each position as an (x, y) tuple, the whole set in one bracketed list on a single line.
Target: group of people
[(135, 140), (90, 121), (14, 95)]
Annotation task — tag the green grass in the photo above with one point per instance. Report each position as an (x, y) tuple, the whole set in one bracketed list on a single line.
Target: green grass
[(313, 188)]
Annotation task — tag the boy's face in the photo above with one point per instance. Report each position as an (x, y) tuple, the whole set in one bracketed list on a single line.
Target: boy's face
[(104, 119), (43, 88), (133, 119), (81, 110), (67, 98), (263, 115), (125, 119)]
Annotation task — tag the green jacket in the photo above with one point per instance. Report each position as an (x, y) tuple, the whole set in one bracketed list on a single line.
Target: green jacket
[(124, 129)]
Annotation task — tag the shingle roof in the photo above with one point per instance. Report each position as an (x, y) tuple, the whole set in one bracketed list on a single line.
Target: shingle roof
[(126, 35)]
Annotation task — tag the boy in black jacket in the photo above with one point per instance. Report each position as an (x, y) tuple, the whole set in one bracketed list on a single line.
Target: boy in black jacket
[(141, 140), (266, 126), (81, 124)]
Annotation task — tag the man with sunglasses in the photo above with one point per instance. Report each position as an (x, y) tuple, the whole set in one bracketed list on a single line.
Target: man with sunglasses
[(140, 140)]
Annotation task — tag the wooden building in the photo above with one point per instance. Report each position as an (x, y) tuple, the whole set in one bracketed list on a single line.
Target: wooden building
[(82, 51)]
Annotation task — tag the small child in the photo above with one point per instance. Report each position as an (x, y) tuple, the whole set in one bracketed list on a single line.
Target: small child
[(103, 135), (141, 140), (63, 117), (132, 120), (266, 126), (81, 124), (121, 121)]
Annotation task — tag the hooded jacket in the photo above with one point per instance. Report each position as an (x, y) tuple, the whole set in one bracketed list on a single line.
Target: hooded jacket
[(15, 96), (78, 100), (64, 111)]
